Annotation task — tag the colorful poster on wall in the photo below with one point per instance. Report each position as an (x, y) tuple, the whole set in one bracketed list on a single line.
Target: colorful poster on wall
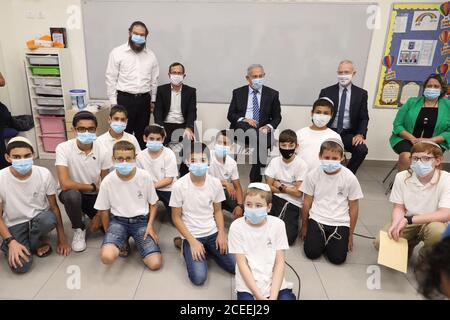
[(425, 20), (417, 52)]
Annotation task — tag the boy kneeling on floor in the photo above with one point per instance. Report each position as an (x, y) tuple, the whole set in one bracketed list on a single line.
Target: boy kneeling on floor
[(130, 195), (28, 208)]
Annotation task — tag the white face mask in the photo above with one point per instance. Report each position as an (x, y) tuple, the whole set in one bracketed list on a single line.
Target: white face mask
[(320, 120), (176, 79), (345, 79)]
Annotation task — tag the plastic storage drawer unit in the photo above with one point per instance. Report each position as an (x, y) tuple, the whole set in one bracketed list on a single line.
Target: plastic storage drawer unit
[(52, 125), (45, 70), (44, 60)]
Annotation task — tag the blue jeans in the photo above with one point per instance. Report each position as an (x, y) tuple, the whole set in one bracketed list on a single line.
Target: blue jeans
[(120, 229), (28, 234), (285, 294), (198, 270)]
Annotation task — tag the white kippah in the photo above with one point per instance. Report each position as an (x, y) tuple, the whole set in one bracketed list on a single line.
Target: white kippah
[(328, 99), (339, 142), (260, 186), (21, 139), (430, 142)]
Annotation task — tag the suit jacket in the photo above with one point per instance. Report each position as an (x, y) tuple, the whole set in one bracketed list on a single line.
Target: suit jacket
[(359, 116), (188, 104), (270, 110)]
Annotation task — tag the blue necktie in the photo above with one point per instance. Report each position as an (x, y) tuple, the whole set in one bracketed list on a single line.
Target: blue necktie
[(255, 106), (340, 122)]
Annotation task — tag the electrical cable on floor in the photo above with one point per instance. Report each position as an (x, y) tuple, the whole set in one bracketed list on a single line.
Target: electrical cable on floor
[(298, 278), (363, 236)]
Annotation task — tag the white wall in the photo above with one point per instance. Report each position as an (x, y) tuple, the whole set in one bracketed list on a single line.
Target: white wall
[(21, 20)]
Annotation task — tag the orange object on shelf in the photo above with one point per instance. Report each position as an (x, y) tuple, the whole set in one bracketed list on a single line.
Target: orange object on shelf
[(44, 41)]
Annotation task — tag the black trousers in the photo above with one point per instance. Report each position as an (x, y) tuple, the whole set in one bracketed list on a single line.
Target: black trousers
[(77, 203), (5, 120), (336, 248), (263, 143), (358, 152), (289, 213), (138, 108)]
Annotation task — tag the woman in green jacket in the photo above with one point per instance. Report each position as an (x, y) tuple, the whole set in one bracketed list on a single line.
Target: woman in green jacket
[(422, 118)]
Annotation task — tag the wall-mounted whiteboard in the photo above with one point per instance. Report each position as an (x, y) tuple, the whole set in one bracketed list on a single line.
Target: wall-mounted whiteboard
[(299, 44)]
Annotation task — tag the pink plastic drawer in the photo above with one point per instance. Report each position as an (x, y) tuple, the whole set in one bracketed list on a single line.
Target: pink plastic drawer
[(52, 125), (51, 141)]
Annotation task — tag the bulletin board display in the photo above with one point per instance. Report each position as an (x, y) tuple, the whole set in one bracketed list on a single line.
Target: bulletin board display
[(416, 46)]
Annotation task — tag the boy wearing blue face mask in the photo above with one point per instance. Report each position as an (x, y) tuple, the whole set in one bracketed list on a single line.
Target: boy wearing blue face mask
[(421, 198), (330, 208), (81, 163), (224, 168), (259, 242), (159, 161), (28, 208), (118, 119), (197, 214), (128, 193)]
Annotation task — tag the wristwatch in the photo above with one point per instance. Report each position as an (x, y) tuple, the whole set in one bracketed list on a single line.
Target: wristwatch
[(9, 239), (409, 219), (94, 187)]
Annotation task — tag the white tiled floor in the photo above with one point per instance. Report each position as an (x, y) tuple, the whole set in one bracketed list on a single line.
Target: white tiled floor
[(50, 278)]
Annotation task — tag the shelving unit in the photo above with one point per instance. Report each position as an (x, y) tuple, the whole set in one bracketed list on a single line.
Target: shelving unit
[(49, 77)]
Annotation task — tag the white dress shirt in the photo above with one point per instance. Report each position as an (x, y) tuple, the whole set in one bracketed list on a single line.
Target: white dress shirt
[(346, 123), (131, 72), (175, 115)]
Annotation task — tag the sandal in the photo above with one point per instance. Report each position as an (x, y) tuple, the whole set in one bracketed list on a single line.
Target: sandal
[(42, 254)]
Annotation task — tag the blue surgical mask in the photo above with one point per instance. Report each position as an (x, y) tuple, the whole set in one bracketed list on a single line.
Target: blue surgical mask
[(255, 215), (137, 39), (422, 169), (86, 137), (124, 168), (431, 93), (118, 126), (198, 169), (257, 83), (22, 166), (330, 166), (154, 145), (221, 150)]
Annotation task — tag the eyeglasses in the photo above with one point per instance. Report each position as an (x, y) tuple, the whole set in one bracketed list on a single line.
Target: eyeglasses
[(122, 159), (422, 159), (83, 129)]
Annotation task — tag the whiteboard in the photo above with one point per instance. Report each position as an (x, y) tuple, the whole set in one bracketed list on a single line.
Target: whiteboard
[(299, 44)]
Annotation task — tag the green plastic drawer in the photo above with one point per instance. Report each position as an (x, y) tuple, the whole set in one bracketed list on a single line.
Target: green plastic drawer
[(45, 70)]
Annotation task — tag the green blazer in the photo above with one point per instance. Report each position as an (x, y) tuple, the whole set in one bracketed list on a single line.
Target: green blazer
[(407, 116)]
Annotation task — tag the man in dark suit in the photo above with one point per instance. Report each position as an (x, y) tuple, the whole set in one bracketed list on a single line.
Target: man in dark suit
[(350, 116), (176, 106), (255, 110)]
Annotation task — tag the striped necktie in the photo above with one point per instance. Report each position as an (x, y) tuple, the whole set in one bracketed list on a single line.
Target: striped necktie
[(255, 106)]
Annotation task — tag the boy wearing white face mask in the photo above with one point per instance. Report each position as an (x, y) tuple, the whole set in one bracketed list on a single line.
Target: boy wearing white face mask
[(259, 242), (330, 208), (118, 119), (160, 162), (310, 138), (421, 198), (224, 168), (196, 203), (28, 208)]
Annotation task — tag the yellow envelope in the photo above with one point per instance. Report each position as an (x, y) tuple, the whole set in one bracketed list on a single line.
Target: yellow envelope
[(393, 254)]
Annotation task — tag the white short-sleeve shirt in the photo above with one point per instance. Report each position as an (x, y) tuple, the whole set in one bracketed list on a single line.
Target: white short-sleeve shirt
[(419, 198), (126, 198), (107, 141), (165, 165), (309, 142), (331, 195), (288, 174), (23, 200), (227, 171), (83, 168), (196, 204), (259, 245)]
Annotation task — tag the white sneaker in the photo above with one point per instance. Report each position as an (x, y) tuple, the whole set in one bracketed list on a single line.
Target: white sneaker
[(79, 240)]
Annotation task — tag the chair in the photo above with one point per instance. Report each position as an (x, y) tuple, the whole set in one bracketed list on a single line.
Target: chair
[(391, 183)]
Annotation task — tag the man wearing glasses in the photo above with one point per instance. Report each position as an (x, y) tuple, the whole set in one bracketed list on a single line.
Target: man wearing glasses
[(81, 164), (255, 109)]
